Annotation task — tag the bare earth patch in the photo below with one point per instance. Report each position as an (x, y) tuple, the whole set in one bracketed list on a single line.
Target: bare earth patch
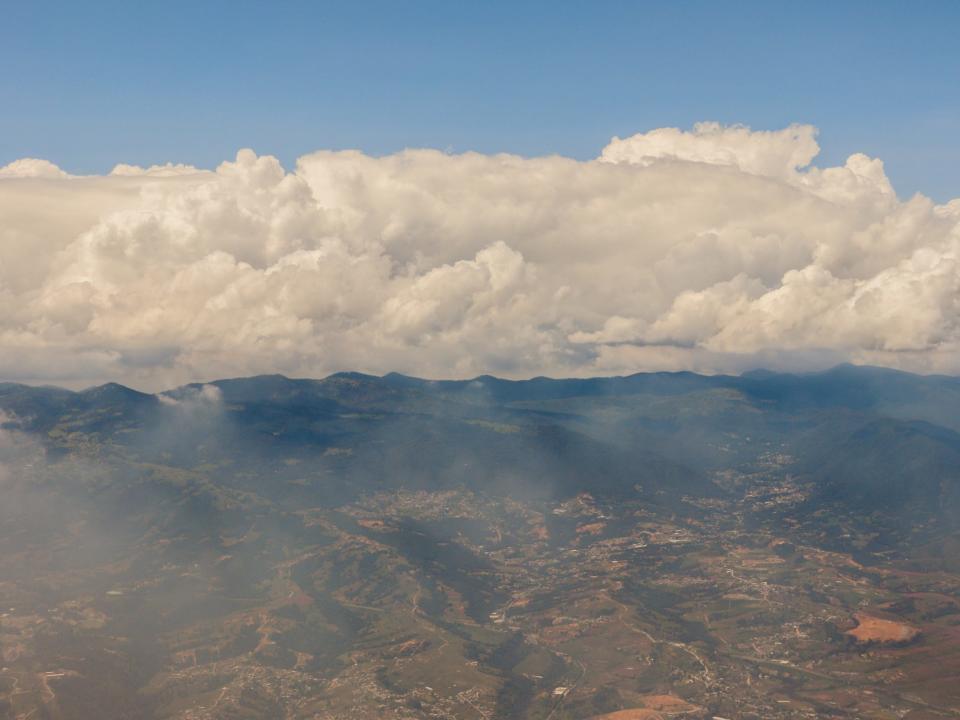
[(632, 714), (875, 630), (655, 707)]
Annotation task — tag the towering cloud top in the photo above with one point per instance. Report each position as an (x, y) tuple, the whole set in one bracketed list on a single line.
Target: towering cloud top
[(775, 154), (716, 249)]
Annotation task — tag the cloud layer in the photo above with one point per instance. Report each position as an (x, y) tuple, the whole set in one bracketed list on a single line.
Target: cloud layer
[(716, 249)]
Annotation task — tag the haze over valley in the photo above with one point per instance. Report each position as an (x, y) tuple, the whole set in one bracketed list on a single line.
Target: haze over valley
[(655, 545)]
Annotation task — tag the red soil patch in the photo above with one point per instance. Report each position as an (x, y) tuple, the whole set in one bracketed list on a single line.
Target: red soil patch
[(871, 629), (667, 703), (632, 714), (655, 707)]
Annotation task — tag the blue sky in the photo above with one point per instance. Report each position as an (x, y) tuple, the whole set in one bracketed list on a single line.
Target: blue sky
[(88, 85)]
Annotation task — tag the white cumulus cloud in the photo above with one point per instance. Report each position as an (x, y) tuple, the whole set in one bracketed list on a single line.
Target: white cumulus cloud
[(31, 168), (715, 249)]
